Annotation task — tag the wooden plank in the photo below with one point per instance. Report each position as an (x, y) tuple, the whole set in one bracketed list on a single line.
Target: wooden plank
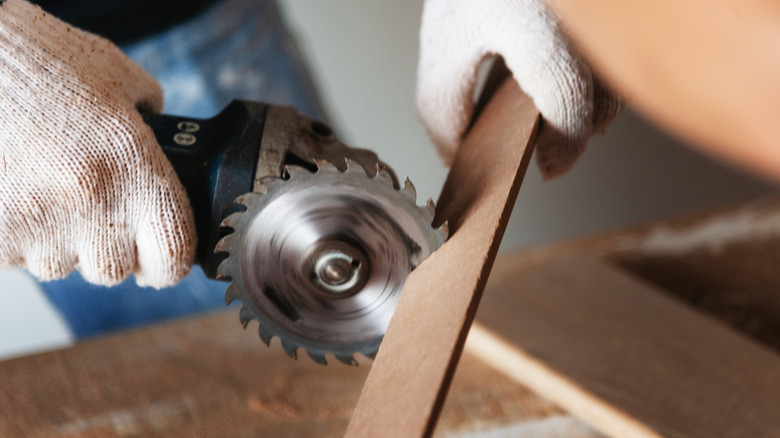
[(407, 386), (624, 357), (206, 377), (738, 285), (199, 377), (722, 263)]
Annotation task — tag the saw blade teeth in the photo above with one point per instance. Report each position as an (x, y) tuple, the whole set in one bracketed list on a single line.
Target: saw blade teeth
[(430, 208), (353, 167), (290, 348), (265, 337), (354, 179), (232, 293), (266, 183), (445, 230), (294, 171), (385, 176), (242, 199), (320, 162), (223, 270), (317, 357), (348, 359), (245, 315), (224, 243), (231, 221), (409, 190), (327, 166)]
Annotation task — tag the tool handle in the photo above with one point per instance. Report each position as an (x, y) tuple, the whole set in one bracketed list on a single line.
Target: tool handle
[(215, 160)]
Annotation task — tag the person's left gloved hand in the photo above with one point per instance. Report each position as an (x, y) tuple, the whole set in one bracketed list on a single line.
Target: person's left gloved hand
[(457, 35)]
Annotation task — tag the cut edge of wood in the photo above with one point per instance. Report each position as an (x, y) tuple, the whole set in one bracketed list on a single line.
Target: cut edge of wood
[(414, 379)]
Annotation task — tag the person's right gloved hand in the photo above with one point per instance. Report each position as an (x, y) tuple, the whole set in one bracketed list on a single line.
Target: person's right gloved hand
[(83, 182), (455, 37)]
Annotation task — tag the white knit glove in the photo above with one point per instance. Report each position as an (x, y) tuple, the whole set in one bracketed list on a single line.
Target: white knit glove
[(83, 182), (457, 35)]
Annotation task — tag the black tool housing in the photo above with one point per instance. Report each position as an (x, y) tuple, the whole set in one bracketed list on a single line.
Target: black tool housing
[(215, 160)]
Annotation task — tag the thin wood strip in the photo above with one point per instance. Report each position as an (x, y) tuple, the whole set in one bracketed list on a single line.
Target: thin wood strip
[(408, 382), (624, 357)]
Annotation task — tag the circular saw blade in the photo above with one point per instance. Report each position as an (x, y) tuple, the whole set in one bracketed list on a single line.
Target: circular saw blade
[(320, 259)]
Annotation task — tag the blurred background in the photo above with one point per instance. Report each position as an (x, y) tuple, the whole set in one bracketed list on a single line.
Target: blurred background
[(363, 57)]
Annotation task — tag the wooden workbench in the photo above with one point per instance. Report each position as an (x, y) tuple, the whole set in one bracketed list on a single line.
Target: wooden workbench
[(667, 330), (204, 376)]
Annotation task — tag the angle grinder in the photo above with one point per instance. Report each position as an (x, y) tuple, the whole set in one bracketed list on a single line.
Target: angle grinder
[(316, 238)]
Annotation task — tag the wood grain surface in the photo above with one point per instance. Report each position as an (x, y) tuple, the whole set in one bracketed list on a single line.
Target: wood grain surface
[(621, 355), (633, 360), (722, 263), (206, 377), (408, 383)]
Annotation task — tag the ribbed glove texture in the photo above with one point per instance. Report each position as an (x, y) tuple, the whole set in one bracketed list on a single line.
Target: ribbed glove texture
[(83, 182), (457, 35)]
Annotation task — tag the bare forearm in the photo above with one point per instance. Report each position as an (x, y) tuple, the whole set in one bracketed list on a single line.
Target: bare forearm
[(707, 71)]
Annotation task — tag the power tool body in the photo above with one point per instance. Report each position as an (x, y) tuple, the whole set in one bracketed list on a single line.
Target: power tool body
[(316, 238)]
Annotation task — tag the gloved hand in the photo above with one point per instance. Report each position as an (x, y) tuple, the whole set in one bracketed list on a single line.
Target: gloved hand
[(83, 182), (457, 35)]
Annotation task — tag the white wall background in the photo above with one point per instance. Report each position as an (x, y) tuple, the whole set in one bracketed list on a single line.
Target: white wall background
[(363, 55)]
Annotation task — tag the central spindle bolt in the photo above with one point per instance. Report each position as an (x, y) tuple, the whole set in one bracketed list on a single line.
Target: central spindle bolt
[(337, 268)]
